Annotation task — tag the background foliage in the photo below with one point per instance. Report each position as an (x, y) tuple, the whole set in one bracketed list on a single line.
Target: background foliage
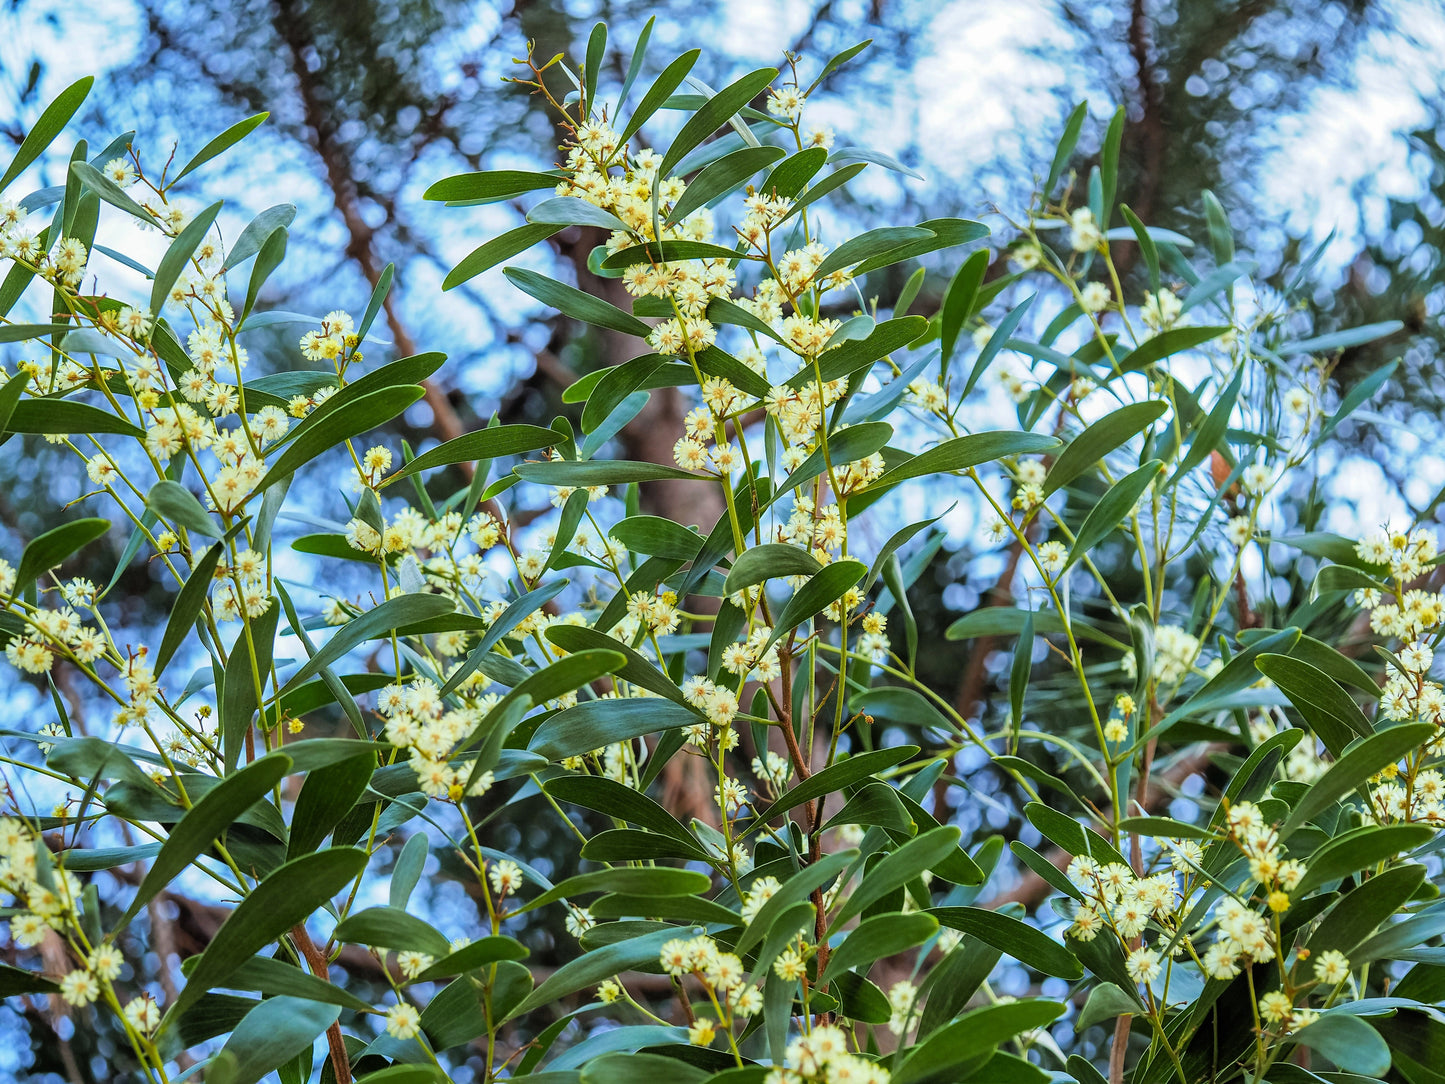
[(371, 135)]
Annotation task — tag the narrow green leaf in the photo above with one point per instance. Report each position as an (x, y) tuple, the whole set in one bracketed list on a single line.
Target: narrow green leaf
[(393, 928), (258, 231), (670, 79), (1027, 944), (796, 888), (713, 115), (958, 301), (1111, 510), (1210, 430), (1329, 710), (490, 443), (869, 244), (726, 174), (574, 211), (947, 233), (1067, 142), (394, 613), (273, 1033), (326, 797), (1349, 771), (50, 549), (637, 882), (176, 503), (272, 252), (60, 416), (573, 302), (616, 800), (178, 255), (835, 63), (1101, 438), (1166, 344), (1340, 340), (961, 453), (1349, 1042), (835, 777), (247, 667), (217, 810), (229, 138), (595, 723), (499, 249), (51, 123), (877, 937), (284, 898), (516, 612), (489, 186), (352, 419), (189, 600), (592, 967), (599, 473), (972, 1036), (657, 536), (771, 559), (919, 854), (820, 592)]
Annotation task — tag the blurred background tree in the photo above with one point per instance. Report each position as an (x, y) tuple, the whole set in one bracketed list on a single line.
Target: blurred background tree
[(1302, 116)]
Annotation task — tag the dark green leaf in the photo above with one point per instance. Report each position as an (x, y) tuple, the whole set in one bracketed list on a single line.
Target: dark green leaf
[(393, 928), (1210, 430), (273, 1033), (488, 187), (1101, 438), (328, 794), (217, 810), (657, 536), (835, 777), (712, 116), (867, 245), (877, 937), (394, 613), (1027, 944), (972, 1036), (723, 176), (189, 600), (51, 123), (1167, 343), (498, 249), (670, 79), (1072, 127), (284, 898), (771, 559), (179, 254), (176, 503), (351, 419), (499, 440), (1352, 769), (244, 682), (1347, 1041), (573, 302), (820, 592), (592, 967), (1329, 710), (50, 549), (600, 473), (1112, 509), (923, 852), (593, 724), (961, 453)]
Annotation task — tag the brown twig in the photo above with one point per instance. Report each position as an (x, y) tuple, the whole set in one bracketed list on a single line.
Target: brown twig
[(340, 1062)]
